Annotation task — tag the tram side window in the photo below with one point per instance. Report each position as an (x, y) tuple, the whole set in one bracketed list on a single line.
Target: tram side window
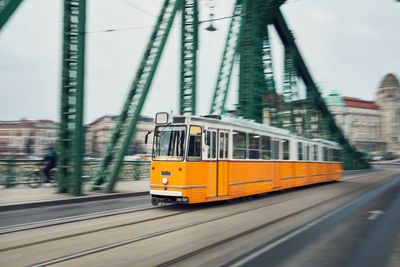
[(285, 149), (239, 145), (254, 146), (265, 147), (194, 152), (330, 154), (337, 156), (214, 142), (306, 152), (275, 149), (299, 151), (325, 153), (315, 153), (223, 145)]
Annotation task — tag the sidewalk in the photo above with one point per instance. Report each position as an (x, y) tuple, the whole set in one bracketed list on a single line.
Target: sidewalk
[(23, 196)]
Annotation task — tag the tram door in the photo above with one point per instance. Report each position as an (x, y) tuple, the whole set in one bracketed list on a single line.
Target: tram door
[(218, 142), (222, 162), (212, 155)]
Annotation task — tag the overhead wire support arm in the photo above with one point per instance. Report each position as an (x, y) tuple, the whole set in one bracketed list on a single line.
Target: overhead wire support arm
[(127, 120), (225, 70), (7, 9)]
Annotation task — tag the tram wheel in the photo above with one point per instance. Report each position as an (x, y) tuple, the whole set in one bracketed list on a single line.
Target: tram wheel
[(155, 201)]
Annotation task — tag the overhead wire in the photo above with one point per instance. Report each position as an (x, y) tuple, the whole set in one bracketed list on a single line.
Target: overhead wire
[(150, 14), (138, 8)]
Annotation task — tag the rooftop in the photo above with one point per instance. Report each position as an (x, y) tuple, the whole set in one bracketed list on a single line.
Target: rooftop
[(390, 80), (359, 103), (334, 99)]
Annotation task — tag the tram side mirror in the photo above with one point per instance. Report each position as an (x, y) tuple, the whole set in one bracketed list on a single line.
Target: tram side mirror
[(147, 137)]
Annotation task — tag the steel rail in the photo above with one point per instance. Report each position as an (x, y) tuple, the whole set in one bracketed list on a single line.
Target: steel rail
[(71, 219), (101, 214), (193, 224), (265, 225)]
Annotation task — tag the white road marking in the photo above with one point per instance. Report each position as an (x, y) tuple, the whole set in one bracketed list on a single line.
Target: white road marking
[(291, 235), (300, 230), (374, 214)]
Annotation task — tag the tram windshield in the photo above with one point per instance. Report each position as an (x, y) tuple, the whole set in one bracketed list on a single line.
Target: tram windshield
[(169, 143)]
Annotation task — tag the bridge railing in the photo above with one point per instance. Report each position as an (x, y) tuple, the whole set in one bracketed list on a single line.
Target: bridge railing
[(16, 171)]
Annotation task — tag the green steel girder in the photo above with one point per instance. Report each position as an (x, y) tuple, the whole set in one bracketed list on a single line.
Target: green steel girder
[(225, 71), (127, 120), (271, 98), (7, 8), (267, 62), (189, 47), (290, 92), (289, 41), (252, 83), (71, 135)]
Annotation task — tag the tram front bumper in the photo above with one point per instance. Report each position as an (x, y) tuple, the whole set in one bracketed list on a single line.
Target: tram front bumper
[(161, 196)]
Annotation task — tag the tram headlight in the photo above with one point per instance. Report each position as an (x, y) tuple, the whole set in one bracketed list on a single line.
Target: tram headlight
[(164, 180)]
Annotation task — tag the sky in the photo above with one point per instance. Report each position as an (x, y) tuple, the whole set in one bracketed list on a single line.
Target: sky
[(348, 46)]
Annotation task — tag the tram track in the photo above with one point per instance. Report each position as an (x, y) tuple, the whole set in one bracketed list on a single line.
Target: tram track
[(196, 223), (96, 215), (91, 231), (253, 230), (70, 219), (129, 224)]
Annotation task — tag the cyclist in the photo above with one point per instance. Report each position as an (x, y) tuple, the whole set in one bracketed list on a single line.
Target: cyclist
[(51, 159)]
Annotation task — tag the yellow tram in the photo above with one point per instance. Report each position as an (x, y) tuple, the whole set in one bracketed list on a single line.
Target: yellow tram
[(211, 158)]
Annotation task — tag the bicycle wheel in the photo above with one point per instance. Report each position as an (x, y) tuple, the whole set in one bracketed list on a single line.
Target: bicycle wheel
[(35, 180)]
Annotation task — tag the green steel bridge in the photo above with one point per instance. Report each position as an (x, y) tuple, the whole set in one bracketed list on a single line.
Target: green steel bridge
[(247, 44)]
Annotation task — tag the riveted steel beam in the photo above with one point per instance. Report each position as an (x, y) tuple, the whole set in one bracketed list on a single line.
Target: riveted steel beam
[(189, 47), (71, 135), (7, 9), (225, 70), (127, 120)]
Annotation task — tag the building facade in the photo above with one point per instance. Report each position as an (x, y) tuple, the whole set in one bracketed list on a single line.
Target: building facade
[(27, 138), (359, 120), (388, 99), (98, 134)]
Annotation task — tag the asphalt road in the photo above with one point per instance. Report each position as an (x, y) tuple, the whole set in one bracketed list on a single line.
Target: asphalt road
[(48, 213), (41, 214), (349, 223), (364, 232)]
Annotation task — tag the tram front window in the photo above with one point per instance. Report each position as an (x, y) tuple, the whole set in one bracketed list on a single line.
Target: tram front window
[(169, 143)]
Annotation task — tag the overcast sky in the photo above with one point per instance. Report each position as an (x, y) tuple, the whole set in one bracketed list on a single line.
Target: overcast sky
[(348, 46)]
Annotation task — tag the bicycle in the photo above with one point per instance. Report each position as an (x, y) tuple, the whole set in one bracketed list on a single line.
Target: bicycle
[(37, 177)]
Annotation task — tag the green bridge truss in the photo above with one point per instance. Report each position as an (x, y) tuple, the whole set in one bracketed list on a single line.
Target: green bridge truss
[(247, 40)]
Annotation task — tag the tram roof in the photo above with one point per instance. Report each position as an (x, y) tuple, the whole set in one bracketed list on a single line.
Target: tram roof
[(238, 122), (242, 123)]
